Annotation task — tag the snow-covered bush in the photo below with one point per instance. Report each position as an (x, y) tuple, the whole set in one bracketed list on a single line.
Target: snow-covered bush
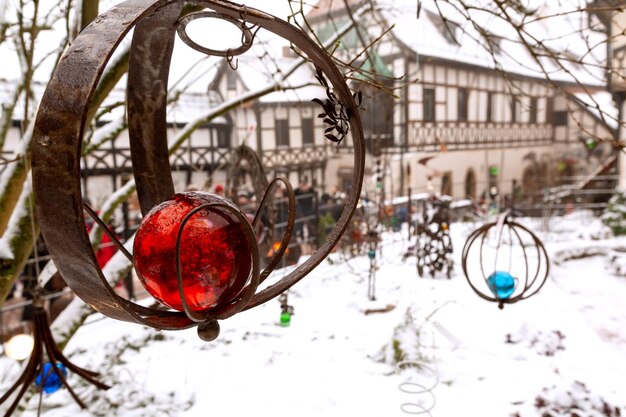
[(617, 263), (615, 214), (575, 400), (405, 344)]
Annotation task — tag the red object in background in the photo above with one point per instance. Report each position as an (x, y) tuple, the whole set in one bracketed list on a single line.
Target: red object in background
[(106, 248), (106, 251), (215, 253)]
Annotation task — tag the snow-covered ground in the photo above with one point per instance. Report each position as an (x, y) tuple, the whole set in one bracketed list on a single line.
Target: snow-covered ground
[(559, 353)]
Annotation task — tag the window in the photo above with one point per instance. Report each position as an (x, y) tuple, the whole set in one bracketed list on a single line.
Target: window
[(231, 80), (462, 104), (429, 105), (560, 118), (377, 117), (532, 118), (550, 110), (513, 109), (446, 183), (282, 132), (490, 107), (223, 139), (308, 135), (470, 184)]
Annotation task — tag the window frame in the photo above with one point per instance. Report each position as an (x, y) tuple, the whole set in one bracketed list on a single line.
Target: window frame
[(281, 131), (308, 134), (430, 92), (462, 101)]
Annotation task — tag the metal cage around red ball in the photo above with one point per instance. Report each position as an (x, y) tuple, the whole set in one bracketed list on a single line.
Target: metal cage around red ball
[(60, 125)]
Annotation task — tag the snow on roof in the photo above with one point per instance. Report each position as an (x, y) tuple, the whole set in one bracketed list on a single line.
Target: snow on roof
[(426, 34), (568, 34), (325, 6), (267, 62), (190, 107), (601, 105)]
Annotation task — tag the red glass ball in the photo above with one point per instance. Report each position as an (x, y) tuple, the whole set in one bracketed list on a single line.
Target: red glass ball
[(215, 252)]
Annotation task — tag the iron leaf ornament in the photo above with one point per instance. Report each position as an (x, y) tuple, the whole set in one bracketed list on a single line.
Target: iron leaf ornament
[(335, 114)]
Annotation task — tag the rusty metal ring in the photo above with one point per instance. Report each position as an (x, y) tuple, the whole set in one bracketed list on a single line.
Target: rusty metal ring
[(61, 121), (246, 34)]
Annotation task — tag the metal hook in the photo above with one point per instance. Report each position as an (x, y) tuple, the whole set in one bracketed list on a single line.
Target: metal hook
[(229, 59), (244, 15)]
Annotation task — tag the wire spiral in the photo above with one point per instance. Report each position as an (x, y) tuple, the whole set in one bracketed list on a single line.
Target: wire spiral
[(422, 389)]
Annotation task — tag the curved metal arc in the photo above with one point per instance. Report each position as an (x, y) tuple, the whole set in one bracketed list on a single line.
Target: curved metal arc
[(107, 231), (246, 34), (531, 282), (291, 221), (546, 273), (265, 198), (56, 163), (466, 248), (541, 250), (527, 282), (484, 230), (221, 308), (147, 91)]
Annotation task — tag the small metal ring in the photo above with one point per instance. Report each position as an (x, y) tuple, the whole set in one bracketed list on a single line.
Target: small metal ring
[(246, 34)]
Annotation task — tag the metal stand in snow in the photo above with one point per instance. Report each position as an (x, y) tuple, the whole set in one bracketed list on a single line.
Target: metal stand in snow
[(371, 280), (286, 310), (433, 245)]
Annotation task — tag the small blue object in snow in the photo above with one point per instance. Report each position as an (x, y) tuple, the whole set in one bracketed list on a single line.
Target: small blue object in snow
[(502, 284), (48, 380)]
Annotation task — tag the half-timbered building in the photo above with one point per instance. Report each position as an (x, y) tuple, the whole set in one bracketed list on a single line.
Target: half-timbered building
[(443, 117), (460, 124)]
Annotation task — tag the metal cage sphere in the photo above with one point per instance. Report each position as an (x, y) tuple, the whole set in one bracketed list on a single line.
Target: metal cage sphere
[(504, 262), (60, 123)]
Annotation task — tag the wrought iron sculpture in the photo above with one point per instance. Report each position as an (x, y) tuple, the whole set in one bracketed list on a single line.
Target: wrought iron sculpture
[(504, 262), (58, 135), (47, 366), (433, 245), (373, 242), (244, 162)]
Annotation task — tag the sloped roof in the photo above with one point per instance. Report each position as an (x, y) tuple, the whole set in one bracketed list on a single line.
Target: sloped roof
[(266, 63), (567, 34), (323, 7), (560, 33), (608, 112)]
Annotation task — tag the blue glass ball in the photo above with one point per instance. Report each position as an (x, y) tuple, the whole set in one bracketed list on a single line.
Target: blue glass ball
[(502, 284), (48, 380)]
